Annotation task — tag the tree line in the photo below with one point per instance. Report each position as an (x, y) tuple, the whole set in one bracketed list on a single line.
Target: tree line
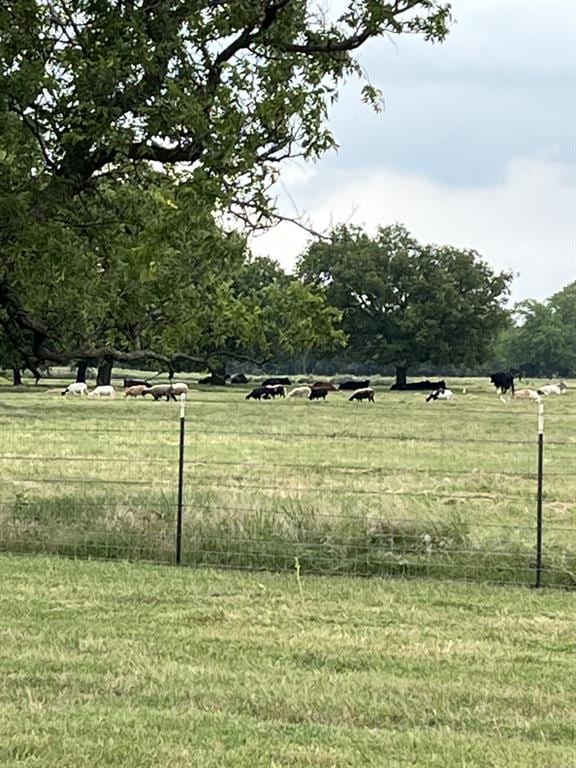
[(139, 142)]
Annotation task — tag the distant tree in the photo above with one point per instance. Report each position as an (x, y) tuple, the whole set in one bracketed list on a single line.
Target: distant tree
[(542, 342), (403, 303)]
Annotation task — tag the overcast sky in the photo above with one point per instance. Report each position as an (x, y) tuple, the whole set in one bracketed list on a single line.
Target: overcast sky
[(476, 147)]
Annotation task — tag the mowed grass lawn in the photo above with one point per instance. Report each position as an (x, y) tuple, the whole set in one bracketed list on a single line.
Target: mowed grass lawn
[(133, 665), (397, 487)]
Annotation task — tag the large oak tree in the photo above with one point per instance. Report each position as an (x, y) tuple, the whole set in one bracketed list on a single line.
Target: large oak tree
[(404, 303), (100, 97)]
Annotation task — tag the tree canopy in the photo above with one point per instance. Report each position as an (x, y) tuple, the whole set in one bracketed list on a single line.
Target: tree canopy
[(542, 340), (404, 303), (131, 130)]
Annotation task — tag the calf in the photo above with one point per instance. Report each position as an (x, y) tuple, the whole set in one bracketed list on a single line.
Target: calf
[(318, 394), (363, 394)]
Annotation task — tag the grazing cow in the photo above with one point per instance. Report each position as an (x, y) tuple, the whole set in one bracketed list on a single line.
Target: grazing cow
[(127, 383), (259, 393), (440, 394), (527, 394), (158, 391), (324, 385), (353, 385), (363, 394), (135, 391), (104, 390), (276, 380), (318, 394), (77, 388), (276, 390), (239, 378), (300, 392), (419, 386), (503, 382)]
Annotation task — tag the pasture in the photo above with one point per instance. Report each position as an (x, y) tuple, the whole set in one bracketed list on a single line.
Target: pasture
[(397, 487), (132, 665)]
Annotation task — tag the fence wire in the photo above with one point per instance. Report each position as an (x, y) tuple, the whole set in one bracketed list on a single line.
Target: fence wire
[(326, 501)]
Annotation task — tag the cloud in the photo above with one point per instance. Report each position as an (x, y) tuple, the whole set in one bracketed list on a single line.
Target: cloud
[(526, 223)]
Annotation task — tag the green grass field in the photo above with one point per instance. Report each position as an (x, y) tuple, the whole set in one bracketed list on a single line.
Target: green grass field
[(398, 487), (133, 665)]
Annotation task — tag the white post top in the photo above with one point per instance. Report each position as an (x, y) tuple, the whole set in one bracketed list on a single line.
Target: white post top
[(540, 418), (182, 405)]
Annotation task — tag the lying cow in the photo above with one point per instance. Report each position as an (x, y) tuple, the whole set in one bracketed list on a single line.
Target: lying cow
[(553, 389), (527, 394), (419, 386), (440, 394), (274, 381), (353, 385), (367, 393)]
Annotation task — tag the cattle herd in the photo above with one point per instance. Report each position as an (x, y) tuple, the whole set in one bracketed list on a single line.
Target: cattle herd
[(275, 387)]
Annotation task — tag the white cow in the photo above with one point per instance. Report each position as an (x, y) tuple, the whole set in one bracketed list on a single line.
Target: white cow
[(553, 389), (440, 394), (77, 388), (104, 390), (300, 392)]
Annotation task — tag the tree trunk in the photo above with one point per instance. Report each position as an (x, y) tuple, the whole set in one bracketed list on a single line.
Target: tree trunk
[(81, 371), (401, 377), (104, 372), (16, 377)]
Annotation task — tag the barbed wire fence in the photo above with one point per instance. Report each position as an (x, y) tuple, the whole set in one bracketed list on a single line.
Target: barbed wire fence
[(165, 499)]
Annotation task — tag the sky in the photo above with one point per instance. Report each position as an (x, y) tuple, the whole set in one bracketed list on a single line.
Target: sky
[(476, 147)]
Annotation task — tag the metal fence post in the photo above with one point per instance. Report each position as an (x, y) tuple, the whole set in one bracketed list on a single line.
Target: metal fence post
[(180, 504), (538, 583)]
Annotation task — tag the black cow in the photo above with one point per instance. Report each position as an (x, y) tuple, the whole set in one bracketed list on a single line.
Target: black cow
[(216, 380), (276, 380), (503, 382), (352, 385), (318, 394), (238, 378), (363, 394), (276, 390), (419, 386), (135, 383), (260, 393)]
